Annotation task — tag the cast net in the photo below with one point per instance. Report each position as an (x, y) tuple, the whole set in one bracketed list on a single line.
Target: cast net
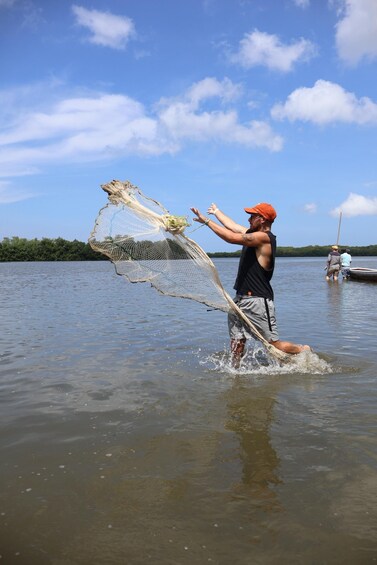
[(147, 244)]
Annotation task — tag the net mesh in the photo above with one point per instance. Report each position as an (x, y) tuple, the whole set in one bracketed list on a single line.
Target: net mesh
[(147, 244)]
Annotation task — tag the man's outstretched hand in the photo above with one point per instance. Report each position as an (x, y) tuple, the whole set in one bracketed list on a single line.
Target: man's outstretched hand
[(199, 216)]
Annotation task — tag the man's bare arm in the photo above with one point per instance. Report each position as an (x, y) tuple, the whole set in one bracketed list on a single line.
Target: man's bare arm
[(225, 220), (257, 239)]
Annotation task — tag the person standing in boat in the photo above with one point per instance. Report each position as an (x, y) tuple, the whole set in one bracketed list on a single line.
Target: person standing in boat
[(345, 260), (254, 292), (333, 263)]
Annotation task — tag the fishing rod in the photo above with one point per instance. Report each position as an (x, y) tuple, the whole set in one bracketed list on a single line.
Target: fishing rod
[(340, 221)]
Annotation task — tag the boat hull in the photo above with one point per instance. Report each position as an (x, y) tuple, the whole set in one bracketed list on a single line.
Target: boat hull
[(363, 274)]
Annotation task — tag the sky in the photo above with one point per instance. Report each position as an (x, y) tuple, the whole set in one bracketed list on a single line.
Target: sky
[(234, 102)]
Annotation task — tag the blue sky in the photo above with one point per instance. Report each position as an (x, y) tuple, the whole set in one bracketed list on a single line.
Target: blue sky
[(227, 101)]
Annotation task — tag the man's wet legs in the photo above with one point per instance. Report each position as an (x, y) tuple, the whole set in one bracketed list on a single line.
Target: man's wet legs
[(237, 347)]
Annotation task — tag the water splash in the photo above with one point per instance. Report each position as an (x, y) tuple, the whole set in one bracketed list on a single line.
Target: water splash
[(256, 361)]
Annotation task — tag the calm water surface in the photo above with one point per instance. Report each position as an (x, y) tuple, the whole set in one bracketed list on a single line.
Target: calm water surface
[(127, 439)]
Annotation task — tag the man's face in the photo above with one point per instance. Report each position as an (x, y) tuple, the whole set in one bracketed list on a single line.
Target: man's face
[(255, 221)]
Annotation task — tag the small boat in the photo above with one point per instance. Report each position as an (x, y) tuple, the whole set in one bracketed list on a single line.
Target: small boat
[(363, 274)]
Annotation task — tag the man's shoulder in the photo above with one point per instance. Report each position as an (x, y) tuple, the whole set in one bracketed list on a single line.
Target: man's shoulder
[(256, 238), (265, 236), (268, 235)]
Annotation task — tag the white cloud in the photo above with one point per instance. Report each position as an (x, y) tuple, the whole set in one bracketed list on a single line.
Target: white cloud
[(106, 126), (29, 14), (210, 87), (302, 3), (81, 129), (370, 184), (356, 32), (310, 208), (260, 48), (107, 29), (325, 103), (7, 3), (357, 205), (8, 194), (182, 123), (75, 115), (182, 120)]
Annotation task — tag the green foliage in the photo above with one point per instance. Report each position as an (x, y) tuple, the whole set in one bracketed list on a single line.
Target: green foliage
[(310, 251), (175, 224), (21, 249)]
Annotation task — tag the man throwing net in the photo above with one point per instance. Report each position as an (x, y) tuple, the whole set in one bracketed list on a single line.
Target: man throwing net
[(254, 292)]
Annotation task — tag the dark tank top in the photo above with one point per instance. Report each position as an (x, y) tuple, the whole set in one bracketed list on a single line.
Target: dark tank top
[(252, 279)]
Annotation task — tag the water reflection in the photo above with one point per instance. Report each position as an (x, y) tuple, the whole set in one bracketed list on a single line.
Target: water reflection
[(250, 417), (334, 302), (348, 314)]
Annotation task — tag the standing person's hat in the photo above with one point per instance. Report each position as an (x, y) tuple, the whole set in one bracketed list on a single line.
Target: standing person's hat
[(335, 247), (263, 209)]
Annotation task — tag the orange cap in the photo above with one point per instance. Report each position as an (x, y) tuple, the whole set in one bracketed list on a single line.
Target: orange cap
[(263, 209)]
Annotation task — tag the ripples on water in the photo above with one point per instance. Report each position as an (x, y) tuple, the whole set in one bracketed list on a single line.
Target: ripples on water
[(127, 437)]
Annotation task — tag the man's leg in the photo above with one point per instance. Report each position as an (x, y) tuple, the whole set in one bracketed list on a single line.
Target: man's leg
[(289, 347), (329, 274), (237, 347)]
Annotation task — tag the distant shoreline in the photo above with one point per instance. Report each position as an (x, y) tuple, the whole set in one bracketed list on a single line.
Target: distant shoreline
[(308, 251), (59, 249)]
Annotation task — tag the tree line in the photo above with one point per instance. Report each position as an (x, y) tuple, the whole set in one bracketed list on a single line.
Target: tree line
[(45, 249), (310, 251)]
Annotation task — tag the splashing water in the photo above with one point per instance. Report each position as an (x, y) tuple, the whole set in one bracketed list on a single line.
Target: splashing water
[(257, 362)]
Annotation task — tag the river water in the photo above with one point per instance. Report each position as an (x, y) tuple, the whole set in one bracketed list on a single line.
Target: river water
[(128, 439)]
